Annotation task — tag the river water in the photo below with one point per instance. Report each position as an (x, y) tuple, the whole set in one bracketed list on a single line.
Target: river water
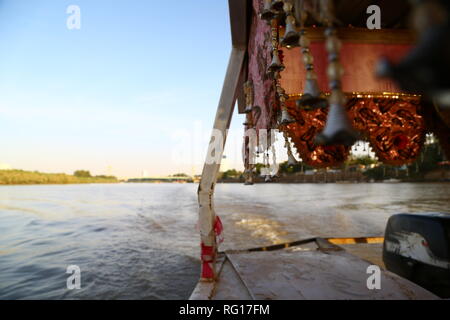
[(140, 241)]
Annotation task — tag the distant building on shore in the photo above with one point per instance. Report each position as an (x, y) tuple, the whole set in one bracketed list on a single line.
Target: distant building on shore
[(162, 180)]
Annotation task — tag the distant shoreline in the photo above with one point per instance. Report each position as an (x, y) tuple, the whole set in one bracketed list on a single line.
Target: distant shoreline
[(219, 183), (339, 182), (26, 178)]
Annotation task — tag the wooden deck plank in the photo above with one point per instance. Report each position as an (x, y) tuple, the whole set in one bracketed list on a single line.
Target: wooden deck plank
[(310, 275), (230, 286), (206, 290)]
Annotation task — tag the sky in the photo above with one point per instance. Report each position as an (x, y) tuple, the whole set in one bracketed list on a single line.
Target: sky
[(134, 90)]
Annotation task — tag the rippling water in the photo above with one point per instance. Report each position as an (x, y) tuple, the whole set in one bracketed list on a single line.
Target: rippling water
[(139, 241)]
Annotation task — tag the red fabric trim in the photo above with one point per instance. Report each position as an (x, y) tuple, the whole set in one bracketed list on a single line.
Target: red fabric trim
[(207, 253), (359, 61), (218, 229), (207, 256), (207, 271)]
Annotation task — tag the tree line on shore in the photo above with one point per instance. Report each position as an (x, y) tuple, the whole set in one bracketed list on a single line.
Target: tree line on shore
[(21, 177), (430, 160)]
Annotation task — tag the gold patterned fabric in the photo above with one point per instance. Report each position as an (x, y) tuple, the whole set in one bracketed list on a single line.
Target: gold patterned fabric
[(391, 123)]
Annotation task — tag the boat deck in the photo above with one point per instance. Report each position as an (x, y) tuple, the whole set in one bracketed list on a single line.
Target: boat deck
[(316, 270)]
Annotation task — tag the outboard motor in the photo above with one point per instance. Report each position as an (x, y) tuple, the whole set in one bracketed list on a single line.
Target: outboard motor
[(417, 248)]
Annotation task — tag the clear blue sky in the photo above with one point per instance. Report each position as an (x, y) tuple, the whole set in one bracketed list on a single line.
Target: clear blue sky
[(111, 96)]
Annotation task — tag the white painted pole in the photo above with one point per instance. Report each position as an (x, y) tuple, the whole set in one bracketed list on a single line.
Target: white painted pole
[(207, 216)]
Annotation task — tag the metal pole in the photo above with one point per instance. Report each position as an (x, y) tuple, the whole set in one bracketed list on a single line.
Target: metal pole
[(207, 216)]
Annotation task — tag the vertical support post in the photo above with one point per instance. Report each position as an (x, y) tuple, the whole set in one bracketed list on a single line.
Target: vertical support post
[(207, 215)]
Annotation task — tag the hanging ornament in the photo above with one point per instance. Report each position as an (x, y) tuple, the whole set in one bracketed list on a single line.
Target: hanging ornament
[(249, 177), (286, 118), (274, 70), (275, 168), (392, 122), (338, 130), (249, 153), (291, 159), (312, 97), (266, 168), (291, 36), (276, 65), (249, 97), (267, 13), (277, 6)]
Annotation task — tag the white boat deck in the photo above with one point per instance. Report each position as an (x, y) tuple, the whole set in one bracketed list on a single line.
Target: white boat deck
[(326, 272)]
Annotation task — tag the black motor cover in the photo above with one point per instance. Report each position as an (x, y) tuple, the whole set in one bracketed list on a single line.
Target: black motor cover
[(417, 247)]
